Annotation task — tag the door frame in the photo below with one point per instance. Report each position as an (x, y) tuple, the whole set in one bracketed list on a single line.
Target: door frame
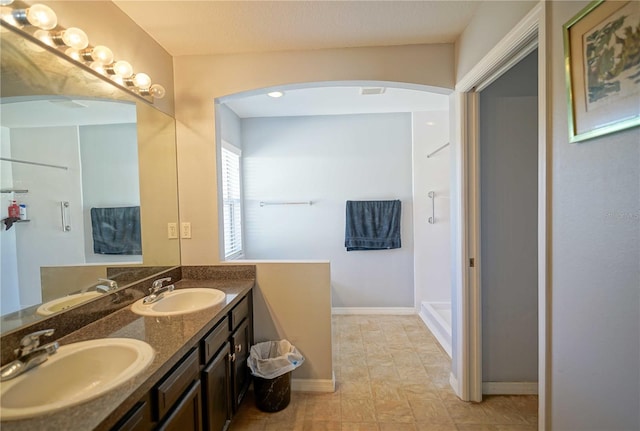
[(466, 376)]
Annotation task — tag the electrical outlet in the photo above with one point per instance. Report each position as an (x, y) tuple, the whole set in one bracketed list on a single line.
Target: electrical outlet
[(172, 230), (185, 229)]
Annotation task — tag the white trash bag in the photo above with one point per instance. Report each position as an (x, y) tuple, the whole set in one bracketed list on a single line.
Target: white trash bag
[(272, 359)]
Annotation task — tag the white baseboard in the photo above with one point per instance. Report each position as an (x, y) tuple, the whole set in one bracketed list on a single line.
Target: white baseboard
[(454, 384), (397, 311), (314, 385), (510, 388), (438, 330)]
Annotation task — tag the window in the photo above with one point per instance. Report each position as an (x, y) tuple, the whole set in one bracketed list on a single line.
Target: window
[(232, 204)]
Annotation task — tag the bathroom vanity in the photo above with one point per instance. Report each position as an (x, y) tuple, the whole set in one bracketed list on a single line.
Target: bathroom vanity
[(199, 373)]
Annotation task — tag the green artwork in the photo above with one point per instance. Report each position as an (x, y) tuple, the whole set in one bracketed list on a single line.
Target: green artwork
[(612, 57)]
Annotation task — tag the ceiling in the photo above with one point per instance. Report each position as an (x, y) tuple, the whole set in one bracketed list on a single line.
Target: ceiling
[(224, 27), (62, 111), (211, 27)]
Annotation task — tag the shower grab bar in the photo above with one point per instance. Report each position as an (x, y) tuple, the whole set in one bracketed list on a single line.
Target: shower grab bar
[(64, 210), (441, 148), (262, 204), (432, 219)]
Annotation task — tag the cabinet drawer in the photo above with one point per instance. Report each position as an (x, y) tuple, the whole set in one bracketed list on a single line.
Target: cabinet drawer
[(239, 313), (187, 416), (214, 340), (177, 382), (138, 418)]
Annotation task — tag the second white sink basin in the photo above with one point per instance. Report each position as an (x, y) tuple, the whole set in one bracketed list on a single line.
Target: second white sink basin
[(66, 302), (180, 301), (78, 372)]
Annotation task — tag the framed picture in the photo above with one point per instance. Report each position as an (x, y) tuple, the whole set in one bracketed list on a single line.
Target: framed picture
[(602, 62)]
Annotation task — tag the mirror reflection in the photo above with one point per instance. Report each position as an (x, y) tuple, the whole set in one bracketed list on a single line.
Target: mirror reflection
[(88, 180)]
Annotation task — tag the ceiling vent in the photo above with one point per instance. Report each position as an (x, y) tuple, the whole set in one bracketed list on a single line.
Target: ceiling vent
[(368, 91)]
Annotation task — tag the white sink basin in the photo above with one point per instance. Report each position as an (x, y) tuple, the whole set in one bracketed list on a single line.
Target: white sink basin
[(65, 302), (180, 301), (77, 373)]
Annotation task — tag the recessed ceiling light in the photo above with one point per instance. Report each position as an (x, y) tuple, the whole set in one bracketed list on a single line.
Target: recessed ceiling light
[(430, 123), (275, 94)]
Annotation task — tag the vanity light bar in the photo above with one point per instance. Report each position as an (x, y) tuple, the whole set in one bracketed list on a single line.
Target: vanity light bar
[(75, 44)]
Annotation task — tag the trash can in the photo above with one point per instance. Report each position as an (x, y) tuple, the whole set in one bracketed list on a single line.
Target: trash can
[(271, 364)]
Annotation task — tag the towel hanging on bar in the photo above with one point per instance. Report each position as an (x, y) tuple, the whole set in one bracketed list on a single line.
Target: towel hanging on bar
[(372, 225), (116, 230)]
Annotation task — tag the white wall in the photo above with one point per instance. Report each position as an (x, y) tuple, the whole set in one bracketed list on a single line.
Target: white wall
[(109, 159), (432, 242), (8, 263), (42, 239), (595, 264), (201, 79), (328, 160), (509, 224)]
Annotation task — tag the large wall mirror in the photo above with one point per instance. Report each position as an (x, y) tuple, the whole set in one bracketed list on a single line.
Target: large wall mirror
[(92, 170)]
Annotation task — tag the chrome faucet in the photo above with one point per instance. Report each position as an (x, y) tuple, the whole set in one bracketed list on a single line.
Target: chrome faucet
[(110, 285), (157, 290), (30, 354)]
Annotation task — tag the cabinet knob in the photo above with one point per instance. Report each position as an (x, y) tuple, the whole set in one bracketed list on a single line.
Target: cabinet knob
[(238, 348), (232, 357)]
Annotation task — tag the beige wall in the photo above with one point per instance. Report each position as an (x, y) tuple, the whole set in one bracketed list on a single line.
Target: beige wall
[(158, 185), (106, 24), (491, 22), (202, 79), (58, 281), (292, 301)]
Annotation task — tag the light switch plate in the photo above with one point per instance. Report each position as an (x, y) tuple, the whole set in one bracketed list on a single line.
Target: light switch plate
[(185, 230), (172, 230)]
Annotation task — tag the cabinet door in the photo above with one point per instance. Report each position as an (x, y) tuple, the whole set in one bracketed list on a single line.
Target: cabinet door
[(240, 344), (188, 413), (216, 396), (137, 419)]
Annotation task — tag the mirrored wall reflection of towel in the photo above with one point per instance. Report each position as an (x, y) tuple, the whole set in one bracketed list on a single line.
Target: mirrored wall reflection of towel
[(116, 230), (372, 225)]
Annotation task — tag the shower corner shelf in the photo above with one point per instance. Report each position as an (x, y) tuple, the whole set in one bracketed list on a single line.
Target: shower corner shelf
[(14, 191)]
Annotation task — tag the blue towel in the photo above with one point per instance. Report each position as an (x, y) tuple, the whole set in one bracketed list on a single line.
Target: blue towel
[(116, 230), (372, 225)]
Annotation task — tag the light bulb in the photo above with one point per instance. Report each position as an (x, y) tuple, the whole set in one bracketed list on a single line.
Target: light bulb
[(75, 38), (45, 37), (42, 16), (102, 54), (117, 79), (98, 67), (157, 91), (122, 68), (6, 13), (74, 53), (141, 80)]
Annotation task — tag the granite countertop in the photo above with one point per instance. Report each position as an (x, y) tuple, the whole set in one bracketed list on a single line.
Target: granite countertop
[(171, 338)]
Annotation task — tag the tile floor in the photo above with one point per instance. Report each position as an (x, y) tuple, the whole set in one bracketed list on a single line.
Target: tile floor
[(391, 375)]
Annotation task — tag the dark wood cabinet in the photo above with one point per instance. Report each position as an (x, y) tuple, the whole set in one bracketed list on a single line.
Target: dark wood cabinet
[(240, 376), (138, 418), (187, 415), (205, 388), (216, 391)]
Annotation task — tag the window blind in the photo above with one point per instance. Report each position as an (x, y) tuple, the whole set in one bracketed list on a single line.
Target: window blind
[(232, 211)]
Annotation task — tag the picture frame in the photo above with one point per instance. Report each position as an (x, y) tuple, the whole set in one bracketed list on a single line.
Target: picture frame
[(602, 64)]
